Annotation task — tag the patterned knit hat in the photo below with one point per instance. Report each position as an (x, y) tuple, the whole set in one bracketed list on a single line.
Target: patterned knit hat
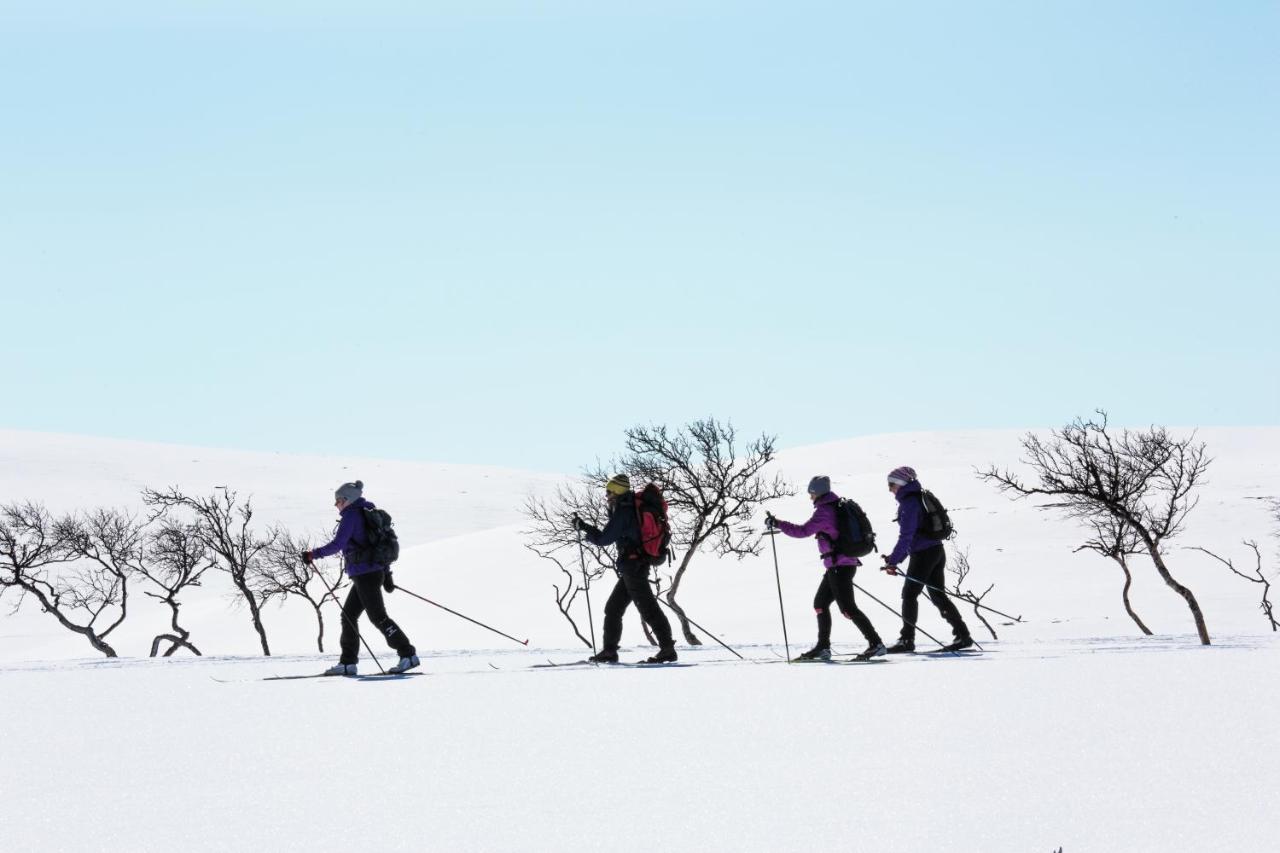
[(903, 475), (819, 485), (619, 484)]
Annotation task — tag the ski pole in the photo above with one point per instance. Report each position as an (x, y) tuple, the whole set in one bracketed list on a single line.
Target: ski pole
[(934, 589), (696, 625), (962, 598), (586, 587), (773, 541), (459, 615), (334, 595), (900, 616)]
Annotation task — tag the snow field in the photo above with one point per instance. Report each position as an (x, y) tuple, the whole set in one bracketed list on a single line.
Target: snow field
[(1074, 731), (1092, 746)]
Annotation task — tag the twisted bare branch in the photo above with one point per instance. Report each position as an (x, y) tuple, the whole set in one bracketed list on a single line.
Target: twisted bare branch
[(1141, 479)]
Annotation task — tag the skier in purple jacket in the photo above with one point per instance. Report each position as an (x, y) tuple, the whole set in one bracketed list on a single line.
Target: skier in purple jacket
[(926, 567), (837, 579), (368, 580)]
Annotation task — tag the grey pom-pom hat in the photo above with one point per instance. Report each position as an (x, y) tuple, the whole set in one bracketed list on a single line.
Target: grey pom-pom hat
[(349, 492)]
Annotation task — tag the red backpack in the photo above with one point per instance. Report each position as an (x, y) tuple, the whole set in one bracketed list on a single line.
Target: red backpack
[(655, 530)]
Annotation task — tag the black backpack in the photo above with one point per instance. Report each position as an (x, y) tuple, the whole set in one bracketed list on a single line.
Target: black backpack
[(856, 538), (381, 545), (935, 523)]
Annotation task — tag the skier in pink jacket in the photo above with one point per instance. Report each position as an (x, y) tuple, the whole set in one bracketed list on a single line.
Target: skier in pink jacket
[(837, 579)]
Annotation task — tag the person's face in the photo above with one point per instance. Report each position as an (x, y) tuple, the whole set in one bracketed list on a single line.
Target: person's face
[(610, 497), (893, 487), (812, 497), (340, 504)]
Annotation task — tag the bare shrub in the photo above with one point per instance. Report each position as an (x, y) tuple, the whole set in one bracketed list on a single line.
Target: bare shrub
[(283, 574), (1256, 576), (712, 487), (176, 560), (40, 557), (552, 537), (961, 568), (223, 525), (1114, 539), (1142, 478)]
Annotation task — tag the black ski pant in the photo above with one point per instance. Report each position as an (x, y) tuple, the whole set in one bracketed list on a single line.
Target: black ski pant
[(928, 567), (633, 586), (837, 586), (366, 597)]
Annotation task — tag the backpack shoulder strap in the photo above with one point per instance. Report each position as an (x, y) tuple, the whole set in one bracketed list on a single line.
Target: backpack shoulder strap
[(837, 508)]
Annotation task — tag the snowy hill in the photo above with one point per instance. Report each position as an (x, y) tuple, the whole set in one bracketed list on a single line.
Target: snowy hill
[(430, 502), (460, 529), (1071, 730)]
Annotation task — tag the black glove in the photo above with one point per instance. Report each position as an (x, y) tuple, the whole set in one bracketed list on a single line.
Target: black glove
[(578, 523), (387, 583), (769, 521), (307, 559)]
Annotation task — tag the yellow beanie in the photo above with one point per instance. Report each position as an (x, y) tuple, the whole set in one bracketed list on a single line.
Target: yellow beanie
[(618, 484)]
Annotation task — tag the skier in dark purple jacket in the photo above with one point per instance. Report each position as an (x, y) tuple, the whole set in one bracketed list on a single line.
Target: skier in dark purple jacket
[(926, 567), (837, 579), (368, 580)]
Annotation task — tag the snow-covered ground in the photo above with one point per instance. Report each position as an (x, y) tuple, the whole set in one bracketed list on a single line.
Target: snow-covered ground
[(1071, 731)]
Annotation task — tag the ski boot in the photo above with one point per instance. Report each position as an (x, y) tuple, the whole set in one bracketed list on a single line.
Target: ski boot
[(604, 656), (666, 654), (405, 664), (818, 652), (348, 669), (874, 650), (902, 647)]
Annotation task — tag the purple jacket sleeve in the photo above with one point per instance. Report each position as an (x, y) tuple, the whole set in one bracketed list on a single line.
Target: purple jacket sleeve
[(908, 522), (346, 529), (822, 521)]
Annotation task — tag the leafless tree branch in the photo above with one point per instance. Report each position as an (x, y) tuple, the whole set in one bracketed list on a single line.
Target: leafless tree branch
[(283, 574), (38, 554), (712, 490), (552, 537), (1258, 577), (1114, 539), (1144, 479), (175, 560), (223, 526), (961, 567)]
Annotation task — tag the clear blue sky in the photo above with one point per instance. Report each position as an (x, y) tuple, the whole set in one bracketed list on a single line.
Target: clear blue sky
[(502, 232)]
